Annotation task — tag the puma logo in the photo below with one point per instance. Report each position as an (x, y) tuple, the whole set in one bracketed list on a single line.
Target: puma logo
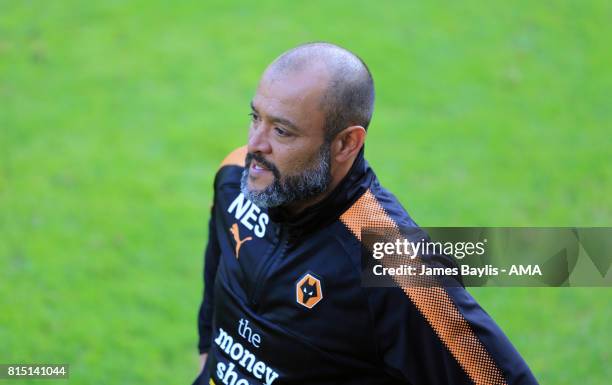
[(236, 233)]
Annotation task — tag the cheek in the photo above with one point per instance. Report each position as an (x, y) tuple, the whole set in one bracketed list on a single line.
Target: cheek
[(294, 162)]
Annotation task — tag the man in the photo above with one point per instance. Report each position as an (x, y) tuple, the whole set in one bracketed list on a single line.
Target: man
[(283, 300)]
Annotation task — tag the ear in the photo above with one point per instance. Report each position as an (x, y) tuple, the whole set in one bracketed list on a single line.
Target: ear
[(347, 143)]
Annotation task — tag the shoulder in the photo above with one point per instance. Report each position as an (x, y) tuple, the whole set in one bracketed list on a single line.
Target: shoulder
[(375, 208), (230, 169), (235, 158)]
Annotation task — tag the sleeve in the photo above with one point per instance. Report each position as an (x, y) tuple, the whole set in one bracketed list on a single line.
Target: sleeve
[(211, 256), (440, 335), (211, 262)]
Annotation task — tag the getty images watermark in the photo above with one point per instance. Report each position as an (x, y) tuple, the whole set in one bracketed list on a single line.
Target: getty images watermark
[(481, 256)]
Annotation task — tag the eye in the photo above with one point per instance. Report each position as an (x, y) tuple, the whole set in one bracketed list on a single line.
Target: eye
[(254, 116), (281, 132)]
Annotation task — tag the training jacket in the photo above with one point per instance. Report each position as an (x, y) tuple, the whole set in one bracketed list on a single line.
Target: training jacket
[(284, 302)]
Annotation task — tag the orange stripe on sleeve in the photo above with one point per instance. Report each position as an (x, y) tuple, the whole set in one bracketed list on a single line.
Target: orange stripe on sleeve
[(235, 158), (432, 301)]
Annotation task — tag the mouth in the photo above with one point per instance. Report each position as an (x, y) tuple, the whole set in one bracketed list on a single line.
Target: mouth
[(258, 168)]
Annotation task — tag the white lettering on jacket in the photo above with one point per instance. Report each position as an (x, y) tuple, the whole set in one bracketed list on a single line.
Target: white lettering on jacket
[(249, 215)]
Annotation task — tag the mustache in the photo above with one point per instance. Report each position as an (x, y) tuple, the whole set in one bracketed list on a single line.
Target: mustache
[(260, 159)]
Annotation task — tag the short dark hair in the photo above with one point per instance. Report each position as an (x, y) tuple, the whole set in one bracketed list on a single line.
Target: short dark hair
[(349, 98)]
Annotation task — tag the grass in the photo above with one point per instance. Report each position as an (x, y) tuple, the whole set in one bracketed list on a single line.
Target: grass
[(114, 118)]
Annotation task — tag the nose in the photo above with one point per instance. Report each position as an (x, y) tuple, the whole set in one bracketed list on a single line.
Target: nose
[(258, 139)]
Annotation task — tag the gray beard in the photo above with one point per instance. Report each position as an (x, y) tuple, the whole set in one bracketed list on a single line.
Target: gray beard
[(294, 188)]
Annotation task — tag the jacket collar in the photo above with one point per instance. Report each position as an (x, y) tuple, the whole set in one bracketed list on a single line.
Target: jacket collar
[(352, 186)]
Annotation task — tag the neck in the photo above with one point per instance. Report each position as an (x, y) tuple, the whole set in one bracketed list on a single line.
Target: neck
[(338, 172)]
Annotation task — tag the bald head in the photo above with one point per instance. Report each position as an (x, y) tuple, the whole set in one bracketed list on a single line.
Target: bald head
[(308, 120), (348, 99)]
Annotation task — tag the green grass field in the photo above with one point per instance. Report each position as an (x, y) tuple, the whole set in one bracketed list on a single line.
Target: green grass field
[(115, 116)]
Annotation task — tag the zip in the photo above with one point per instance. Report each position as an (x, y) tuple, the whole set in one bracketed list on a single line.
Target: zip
[(277, 254)]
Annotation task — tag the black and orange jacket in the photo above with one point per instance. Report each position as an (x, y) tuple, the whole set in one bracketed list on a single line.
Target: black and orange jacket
[(284, 304)]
